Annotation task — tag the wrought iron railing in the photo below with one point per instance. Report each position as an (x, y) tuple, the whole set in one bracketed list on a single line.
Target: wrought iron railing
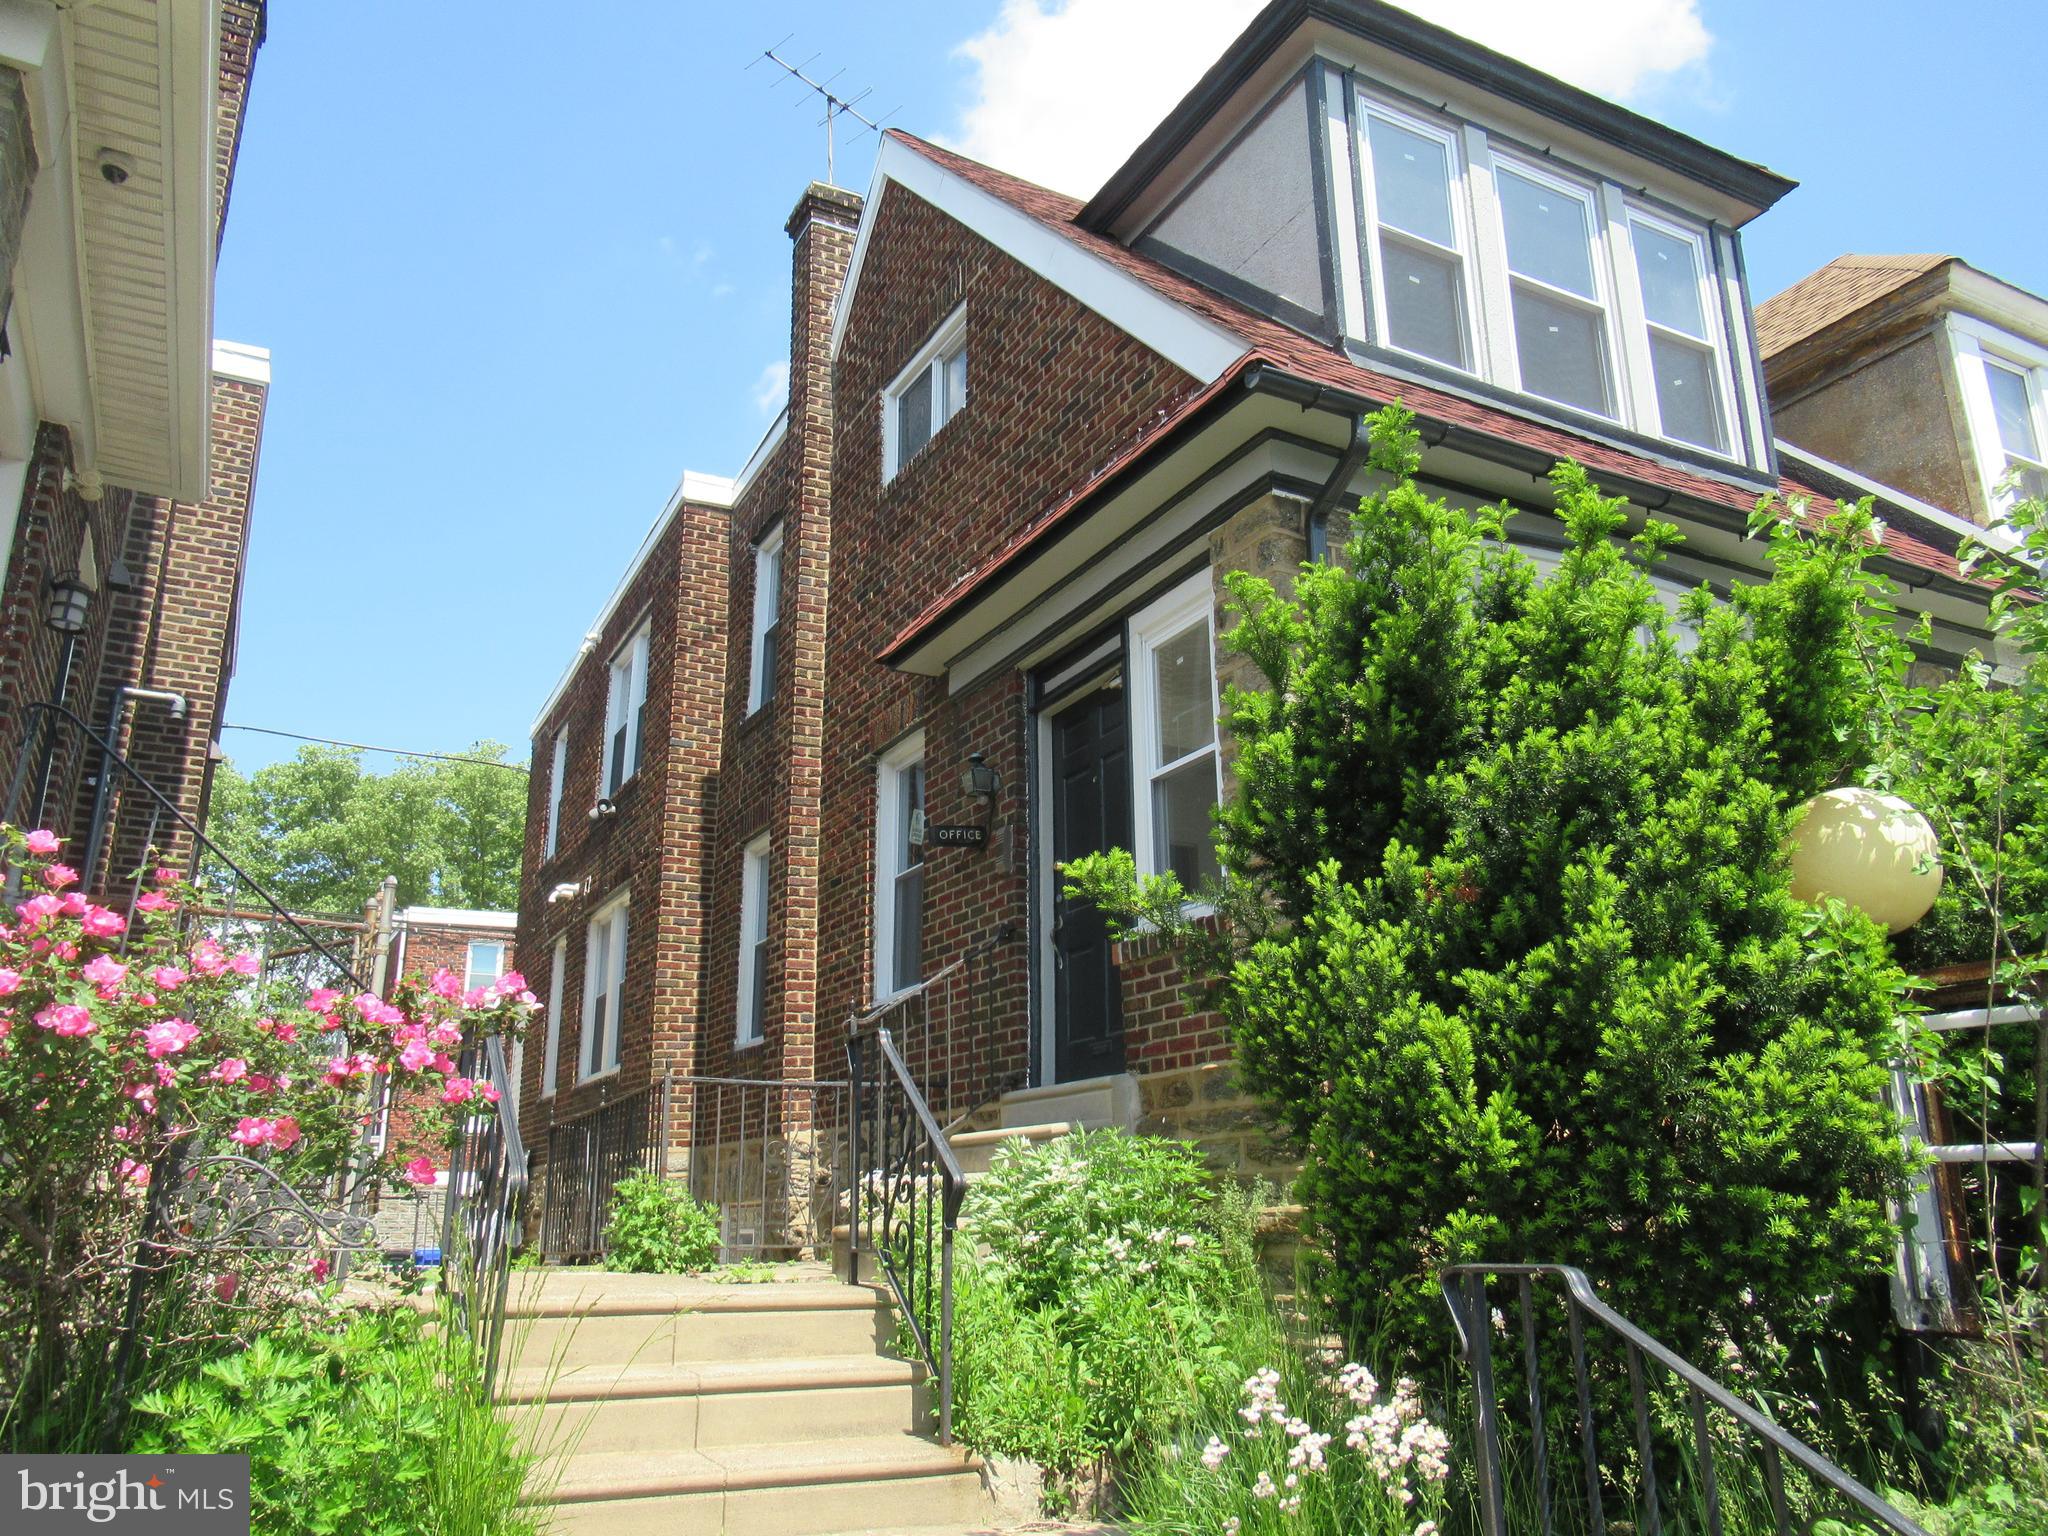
[(486, 1198), (950, 1033), (587, 1155), (1723, 1448), (767, 1155), (904, 1188)]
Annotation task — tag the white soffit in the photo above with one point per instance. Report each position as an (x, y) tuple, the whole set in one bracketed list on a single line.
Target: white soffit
[(145, 81), (1183, 338)]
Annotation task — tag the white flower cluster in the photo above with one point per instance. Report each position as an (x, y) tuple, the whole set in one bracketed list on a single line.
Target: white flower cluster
[(1393, 1435)]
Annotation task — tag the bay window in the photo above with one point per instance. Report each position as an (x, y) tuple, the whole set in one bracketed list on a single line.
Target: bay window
[(1173, 715), (899, 868), (604, 988)]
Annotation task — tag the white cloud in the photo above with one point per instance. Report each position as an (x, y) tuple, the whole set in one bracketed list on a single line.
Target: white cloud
[(772, 388), (1066, 89)]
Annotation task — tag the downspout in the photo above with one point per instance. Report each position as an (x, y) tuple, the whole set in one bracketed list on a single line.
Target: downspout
[(1262, 380)]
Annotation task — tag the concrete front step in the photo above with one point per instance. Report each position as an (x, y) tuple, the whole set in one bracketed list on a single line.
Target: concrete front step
[(606, 1408), (565, 1322), (770, 1490), (977, 1150)]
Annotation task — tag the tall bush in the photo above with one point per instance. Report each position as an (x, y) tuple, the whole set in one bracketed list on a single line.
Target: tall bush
[(1507, 937)]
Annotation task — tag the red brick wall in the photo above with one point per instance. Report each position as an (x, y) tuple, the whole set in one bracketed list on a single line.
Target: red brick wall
[(651, 846), (1053, 391)]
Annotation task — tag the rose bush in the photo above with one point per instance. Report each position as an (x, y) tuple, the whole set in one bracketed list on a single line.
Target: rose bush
[(128, 1037)]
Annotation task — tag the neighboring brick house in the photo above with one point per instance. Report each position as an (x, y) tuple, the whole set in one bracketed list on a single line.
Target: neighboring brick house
[(1053, 426), (476, 946), (1917, 371), (128, 436)]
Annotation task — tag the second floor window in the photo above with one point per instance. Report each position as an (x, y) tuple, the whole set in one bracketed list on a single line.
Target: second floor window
[(926, 395), (485, 964), (551, 1061), (2005, 404), (899, 873), (625, 712), (767, 644), (558, 765), (753, 980), (604, 987)]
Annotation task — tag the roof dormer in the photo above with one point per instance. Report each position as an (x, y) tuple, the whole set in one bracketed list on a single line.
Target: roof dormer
[(1436, 208)]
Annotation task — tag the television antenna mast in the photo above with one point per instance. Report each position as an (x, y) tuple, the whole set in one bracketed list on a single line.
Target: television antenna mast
[(836, 105)]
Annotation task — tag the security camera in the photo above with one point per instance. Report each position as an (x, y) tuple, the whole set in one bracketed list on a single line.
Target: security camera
[(115, 167)]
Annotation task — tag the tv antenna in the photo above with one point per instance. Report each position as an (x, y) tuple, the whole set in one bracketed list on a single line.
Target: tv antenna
[(836, 105)]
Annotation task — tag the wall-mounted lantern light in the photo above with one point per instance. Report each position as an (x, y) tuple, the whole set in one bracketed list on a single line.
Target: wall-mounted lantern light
[(979, 781), (68, 601)]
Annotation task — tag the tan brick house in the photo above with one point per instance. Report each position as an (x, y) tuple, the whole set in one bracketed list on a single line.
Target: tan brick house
[(971, 583)]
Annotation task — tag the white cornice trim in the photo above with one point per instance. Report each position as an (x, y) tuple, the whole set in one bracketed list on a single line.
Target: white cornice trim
[(1175, 333), (758, 459), (239, 360), (455, 917)]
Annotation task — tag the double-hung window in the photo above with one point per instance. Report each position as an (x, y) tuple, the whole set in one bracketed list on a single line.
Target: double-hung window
[(604, 987), (558, 766), (753, 979), (1173, 712), (899, 871), (767, 641), (925, 396), (484, 965), (1420, 282), (2005, 401), (625, 711), (558, 965), (1554, 288), (1683, 359)]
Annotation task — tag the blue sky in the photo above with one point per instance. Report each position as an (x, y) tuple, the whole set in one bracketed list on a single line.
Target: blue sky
[(517, 275)]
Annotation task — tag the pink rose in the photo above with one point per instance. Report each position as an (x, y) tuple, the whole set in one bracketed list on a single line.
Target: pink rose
[(208, 958), (376, 1011), (144, 1094), (168, 978), (135, 1173), (329, 1022), (479, 997), (456, 1092), (43, 843), (57, 876), (166, 875), (67, 1019), (318, 1269), (232, 1070), (444, 1063), (447, 1032), (251, 1131), (102, 922), (445, 983), (511, 983), (103, 971), (244, 964), (169, 1037), (155, 901), (10, 981), (322, 1000), (38, 907), (488, 1092), (415, 1056), (420, 1171), (73, 904), (287, 1031), (284, 1133)]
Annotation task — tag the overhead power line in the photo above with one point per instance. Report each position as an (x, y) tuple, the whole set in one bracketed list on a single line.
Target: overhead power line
[(359, 746)]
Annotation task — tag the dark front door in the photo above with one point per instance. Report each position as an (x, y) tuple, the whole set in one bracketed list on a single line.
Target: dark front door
[(1091, 810)]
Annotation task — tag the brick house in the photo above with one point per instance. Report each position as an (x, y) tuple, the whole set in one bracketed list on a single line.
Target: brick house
[(965, 625), (129, 436), (1917, 371)]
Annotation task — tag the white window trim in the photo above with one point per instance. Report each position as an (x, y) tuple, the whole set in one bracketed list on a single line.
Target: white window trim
[(889, 835), (1462, 225), (558, 767), (1161, 620), (1622, 215), (759, 683), (753, 916), (469, 961), (634, 654), (551, 1062), (588, 1069), (946, 341), (1972, 344)]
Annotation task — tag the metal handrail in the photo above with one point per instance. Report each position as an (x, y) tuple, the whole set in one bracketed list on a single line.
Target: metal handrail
[(487, 1183), (113, 759), (939, 1043), (1464, 1289), (901, 1152)]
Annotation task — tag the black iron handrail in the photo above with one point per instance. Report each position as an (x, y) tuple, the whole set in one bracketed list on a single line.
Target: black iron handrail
[(899, 1159), (485, 1199), (1464, 1289), (952, 1055), (163, 804)]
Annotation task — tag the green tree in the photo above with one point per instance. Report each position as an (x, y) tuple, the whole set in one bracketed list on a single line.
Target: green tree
[(322, 833), (1507, 938)]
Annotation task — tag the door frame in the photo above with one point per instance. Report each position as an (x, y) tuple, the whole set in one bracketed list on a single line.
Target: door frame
[(1062, 682)]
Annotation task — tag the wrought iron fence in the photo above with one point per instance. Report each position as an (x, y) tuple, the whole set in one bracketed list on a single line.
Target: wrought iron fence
[(1691, 1450), (903, 1201), (948, 1033), (767, 1154), (587, 1156), (487, 1182)]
